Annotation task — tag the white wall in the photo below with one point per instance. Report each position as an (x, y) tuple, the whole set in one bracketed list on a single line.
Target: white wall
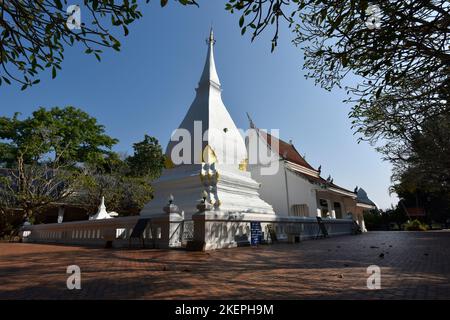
[(273, 190), (301, 191), (273, 187)]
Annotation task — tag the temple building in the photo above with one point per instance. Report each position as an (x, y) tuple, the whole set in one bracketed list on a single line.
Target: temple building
[(297, 189)]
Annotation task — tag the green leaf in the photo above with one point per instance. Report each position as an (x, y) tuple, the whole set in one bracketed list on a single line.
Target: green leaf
[(241, 21), (58, 4), (378, 93), (323, 14), (344, 60), (116, 46), (164, 2)]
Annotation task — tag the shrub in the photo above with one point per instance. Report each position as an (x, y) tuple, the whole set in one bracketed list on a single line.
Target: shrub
[(415, 225)]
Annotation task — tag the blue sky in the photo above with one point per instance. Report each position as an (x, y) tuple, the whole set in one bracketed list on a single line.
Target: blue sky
[(148, 87)]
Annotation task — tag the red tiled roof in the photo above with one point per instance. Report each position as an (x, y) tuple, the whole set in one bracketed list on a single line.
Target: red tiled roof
[(286, 150)]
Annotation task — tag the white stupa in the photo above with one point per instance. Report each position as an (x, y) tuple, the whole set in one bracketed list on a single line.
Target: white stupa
[(102, 213), (215, 168)]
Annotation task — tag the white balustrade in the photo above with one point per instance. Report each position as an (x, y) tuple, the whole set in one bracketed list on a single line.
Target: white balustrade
[(214, 230)]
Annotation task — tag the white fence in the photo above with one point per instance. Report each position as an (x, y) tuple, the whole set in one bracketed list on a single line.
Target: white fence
[(215, 232), (161, 232), (91, 232)]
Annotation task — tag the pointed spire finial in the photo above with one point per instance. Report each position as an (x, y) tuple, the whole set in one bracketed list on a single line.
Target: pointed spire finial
[(209, 75), (102, 203), (211, 41), (252, 125)]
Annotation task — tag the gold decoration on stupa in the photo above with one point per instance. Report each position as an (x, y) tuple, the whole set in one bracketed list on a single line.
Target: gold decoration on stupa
[(208, 155), (243, 165)]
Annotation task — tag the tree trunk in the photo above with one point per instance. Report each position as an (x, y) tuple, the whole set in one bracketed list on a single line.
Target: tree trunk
[(28, 213)]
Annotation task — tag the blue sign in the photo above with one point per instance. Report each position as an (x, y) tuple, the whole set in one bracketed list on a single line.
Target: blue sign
[(255, 233)]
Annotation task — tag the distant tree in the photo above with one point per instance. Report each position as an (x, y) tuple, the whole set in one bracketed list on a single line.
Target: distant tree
[(422, 177), (436, 204), (148, 158), (397, 216), (10, 221), (125, 183), (123, 194), (427, 164), (64, 155), (374, 220), (45, 153), (137, 191), (382, 220)]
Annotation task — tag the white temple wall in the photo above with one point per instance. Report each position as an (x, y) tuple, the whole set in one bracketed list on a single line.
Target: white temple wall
[(275, 188), (272, 190), (283, 189), (301, 192)]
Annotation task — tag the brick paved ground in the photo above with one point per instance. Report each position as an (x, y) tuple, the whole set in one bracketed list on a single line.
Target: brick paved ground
[(415, 266)]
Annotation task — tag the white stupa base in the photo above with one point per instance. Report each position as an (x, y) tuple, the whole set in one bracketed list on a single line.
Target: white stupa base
[(228, 191), (218, 230)]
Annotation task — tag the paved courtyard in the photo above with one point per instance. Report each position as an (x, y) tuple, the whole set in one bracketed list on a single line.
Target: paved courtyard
[(414, 265)]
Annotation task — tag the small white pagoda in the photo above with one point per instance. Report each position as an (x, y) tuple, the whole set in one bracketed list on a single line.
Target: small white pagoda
[(102, 213), (212, 180)]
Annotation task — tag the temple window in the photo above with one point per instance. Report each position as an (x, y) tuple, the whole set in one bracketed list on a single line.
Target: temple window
[(299, 210)]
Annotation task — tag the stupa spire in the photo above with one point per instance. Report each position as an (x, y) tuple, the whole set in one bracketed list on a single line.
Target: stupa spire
[(209, 74), (218, 135)]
